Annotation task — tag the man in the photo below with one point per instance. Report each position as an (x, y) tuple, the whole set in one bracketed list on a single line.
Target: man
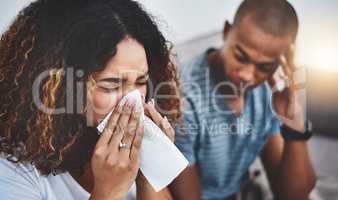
[(231, 115)]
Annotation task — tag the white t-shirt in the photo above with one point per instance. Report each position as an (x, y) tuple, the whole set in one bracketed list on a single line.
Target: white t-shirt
[(23, 181)]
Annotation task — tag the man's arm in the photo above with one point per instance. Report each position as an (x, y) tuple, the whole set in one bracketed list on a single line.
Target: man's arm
[(289, 168), (186, 185)]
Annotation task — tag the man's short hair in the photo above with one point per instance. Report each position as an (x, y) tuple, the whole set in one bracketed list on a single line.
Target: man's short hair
[(277, 17)]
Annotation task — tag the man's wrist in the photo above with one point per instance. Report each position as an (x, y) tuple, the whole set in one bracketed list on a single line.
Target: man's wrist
[(292, 134)]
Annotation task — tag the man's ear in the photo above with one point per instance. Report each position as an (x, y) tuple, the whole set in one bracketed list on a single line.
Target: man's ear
[(226, 30)]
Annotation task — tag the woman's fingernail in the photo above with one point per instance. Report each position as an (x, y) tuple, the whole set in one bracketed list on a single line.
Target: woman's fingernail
[(166, 122), (143, 97), (131, 102), (151, 102), (120, 106)]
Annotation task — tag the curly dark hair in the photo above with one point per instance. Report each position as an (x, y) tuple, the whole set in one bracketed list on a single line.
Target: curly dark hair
[(55, 35)]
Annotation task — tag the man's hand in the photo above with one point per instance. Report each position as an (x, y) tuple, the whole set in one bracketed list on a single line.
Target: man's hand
[(286, 103), (287, 163)]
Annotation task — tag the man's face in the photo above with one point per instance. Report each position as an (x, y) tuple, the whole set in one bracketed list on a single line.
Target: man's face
[(251, 55)]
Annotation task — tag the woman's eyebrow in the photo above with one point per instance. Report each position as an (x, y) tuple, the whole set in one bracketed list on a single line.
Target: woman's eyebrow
[(145, 75), (111, 79), (119, 80)]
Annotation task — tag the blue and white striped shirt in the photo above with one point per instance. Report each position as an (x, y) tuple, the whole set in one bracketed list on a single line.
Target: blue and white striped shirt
[(222, 145)]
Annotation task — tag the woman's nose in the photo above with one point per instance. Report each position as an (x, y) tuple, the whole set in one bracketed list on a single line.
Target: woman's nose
[(128, 88)]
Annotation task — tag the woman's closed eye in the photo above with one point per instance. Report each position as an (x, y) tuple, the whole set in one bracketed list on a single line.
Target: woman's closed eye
[(143, 80), (108, 86)]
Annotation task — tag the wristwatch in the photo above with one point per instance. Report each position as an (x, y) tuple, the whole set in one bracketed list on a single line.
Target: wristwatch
[(291, 134)]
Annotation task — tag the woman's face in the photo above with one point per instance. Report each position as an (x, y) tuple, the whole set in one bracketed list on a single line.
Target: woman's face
[(126, 71)]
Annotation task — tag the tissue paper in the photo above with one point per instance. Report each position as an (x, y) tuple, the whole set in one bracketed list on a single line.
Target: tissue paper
[(160, 160)]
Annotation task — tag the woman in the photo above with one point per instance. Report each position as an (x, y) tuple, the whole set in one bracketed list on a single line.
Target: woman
[(64, 65)]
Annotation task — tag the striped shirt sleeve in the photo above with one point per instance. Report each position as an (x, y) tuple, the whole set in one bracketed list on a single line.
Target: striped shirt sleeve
[(188, 131)]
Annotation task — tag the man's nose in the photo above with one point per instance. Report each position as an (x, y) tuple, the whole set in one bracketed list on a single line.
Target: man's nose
[(247, 74)]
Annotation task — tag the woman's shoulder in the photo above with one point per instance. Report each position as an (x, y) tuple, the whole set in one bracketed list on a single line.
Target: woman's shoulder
[(18, 180), (24, 181), (17, 169)]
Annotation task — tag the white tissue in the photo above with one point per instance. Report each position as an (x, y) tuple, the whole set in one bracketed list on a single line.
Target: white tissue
[(160, 160), (280, 79), (280, 85)]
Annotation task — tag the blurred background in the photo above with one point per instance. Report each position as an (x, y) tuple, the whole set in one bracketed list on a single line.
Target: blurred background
[(194, 25)]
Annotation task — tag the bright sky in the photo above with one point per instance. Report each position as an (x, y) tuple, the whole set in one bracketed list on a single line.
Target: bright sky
[(182, 20)]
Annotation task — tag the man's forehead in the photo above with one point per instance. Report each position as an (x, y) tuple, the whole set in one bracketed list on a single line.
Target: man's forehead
[(250, 36)]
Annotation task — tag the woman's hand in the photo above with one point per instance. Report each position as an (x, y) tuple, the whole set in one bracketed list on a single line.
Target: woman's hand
[(163, 123), (115, 166)]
